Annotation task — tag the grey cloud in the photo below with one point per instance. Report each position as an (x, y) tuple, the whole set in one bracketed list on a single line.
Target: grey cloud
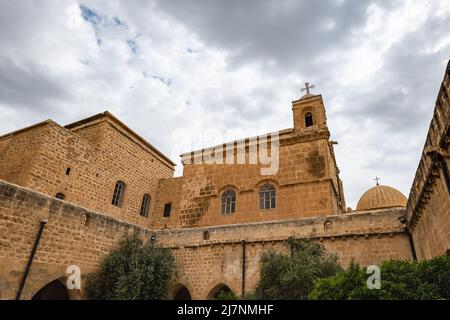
[(403, 99), (276, 39), (292, 33), (28, 87)]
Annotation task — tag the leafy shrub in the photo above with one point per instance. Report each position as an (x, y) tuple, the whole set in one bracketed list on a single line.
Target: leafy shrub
[(293, 276), (400, 280), (134, 271), (225, 295)]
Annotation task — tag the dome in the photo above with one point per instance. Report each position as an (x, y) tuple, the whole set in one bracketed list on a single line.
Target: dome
[(380, 197)]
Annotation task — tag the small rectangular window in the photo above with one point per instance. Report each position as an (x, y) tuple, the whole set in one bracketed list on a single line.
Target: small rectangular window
[(167, 208)]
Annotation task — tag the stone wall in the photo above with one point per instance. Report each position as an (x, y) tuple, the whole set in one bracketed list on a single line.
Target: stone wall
[(211, 256), (431, 234), (206, 257), (121, 158), (306, 185), (83, 163), (72, 236), (428, 208), (18, 152), (169, 192)]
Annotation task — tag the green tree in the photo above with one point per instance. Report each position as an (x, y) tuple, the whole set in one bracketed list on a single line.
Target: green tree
[(225, 295), (402, 280), (292, 276), (133, 271)]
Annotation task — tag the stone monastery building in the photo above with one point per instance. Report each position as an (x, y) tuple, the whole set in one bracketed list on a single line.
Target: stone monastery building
[(69, 193)]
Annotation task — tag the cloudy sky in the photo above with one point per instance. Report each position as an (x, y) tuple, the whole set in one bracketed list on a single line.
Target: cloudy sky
[(190, 74)]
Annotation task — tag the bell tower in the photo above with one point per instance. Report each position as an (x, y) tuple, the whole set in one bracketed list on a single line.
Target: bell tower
[(310, 123), (309, 112)]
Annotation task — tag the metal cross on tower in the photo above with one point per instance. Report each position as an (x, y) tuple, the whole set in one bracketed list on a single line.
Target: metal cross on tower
[(377, 180), (307, 87)]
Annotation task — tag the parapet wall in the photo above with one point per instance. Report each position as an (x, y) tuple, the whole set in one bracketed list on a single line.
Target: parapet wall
[(210, 256), (363, 224)]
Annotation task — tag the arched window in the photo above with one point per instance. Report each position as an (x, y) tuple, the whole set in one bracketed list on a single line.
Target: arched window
[(267, 197), (328, 225), (145, 205), (228, 202), (60, 196), (85, 219), (119, 192), (309, 122)]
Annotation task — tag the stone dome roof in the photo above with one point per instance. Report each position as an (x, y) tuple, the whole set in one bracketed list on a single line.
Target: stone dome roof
[(380, 197)]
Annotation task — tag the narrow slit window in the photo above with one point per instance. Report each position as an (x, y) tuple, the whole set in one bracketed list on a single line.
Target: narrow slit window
[(167, 209), (145, 207), (119, 192)]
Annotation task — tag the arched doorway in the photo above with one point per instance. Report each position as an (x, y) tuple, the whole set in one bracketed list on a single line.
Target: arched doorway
[(182, 294), (221, 292), (54, 290)]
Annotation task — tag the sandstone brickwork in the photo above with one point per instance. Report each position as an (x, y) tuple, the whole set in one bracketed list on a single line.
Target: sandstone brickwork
[(83, 162), (307, 182), (428, 208), (72, 236), (77, 236)]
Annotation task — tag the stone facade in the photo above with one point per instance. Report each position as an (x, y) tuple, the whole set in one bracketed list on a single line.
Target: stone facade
[(77, 236), (428, 208), (205, 262), (72, 236), (307, 182), (84, 161)]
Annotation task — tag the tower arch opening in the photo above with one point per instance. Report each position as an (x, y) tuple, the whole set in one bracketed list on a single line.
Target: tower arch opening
[(309, 120)]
